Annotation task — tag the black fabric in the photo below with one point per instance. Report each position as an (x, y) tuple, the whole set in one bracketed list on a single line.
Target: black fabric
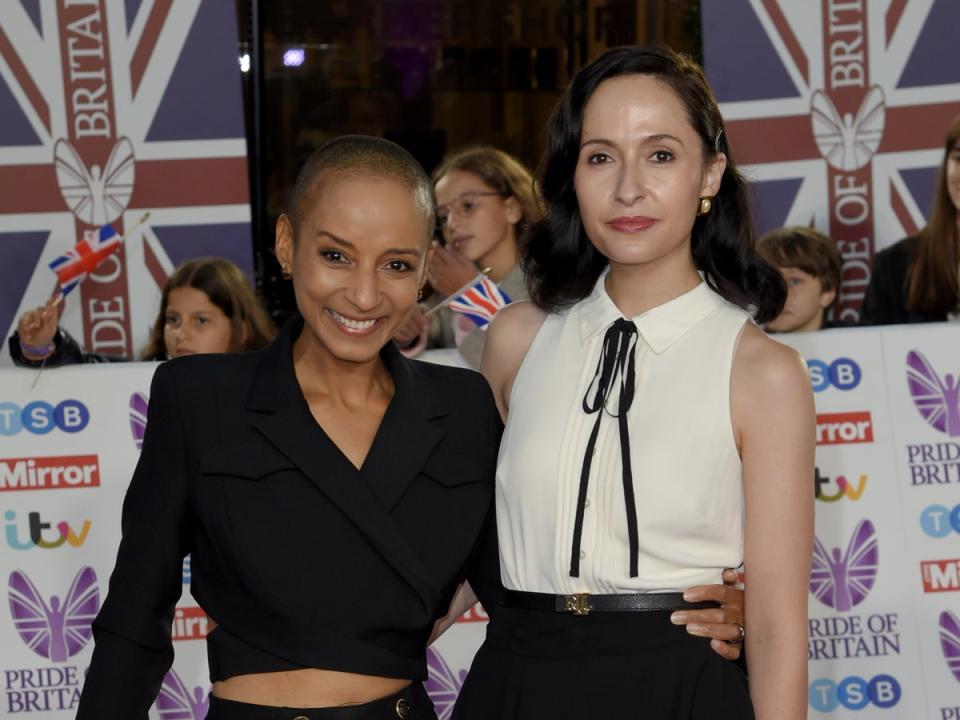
[(617, 361), (66, 351), (414, 701), (295, 553), (608, 665), (885, 302)]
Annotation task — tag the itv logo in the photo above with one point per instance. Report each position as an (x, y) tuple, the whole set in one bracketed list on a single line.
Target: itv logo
[(37, 533)]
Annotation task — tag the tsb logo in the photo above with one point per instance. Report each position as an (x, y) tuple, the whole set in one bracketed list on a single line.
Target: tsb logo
[(844, 428), (854, 693), (939, 521), (842, 373), (41, 417)]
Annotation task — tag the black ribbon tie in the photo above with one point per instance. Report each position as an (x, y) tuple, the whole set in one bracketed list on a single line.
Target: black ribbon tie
[(616, 361)]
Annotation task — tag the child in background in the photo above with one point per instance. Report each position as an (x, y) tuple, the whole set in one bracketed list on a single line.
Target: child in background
[(810, 264)]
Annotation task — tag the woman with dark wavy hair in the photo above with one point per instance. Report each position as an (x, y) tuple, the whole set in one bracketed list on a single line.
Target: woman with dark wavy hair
[(654, 435), (918, 278)]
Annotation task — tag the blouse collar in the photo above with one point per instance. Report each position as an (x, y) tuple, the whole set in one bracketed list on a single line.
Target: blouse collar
[(660, 326)]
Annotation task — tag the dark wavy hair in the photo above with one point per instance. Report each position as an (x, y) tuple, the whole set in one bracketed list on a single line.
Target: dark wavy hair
[(933, 280), (561, 263)]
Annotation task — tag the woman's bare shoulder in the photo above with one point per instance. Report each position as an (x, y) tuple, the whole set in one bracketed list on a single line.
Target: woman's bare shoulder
[(509, 337)]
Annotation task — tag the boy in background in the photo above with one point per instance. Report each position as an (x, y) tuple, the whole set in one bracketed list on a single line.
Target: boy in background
[(810, 264)]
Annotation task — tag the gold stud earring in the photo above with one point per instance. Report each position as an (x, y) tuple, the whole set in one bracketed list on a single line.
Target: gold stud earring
[(285, 271), (705, 204)]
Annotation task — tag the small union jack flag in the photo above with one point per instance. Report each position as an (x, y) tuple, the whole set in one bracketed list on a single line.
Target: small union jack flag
[(97, 245), (480, 301)]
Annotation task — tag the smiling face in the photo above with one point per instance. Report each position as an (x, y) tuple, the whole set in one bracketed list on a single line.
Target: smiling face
[(357, 262), (641, 171), (194, 325), (473, 218), (806, 303)]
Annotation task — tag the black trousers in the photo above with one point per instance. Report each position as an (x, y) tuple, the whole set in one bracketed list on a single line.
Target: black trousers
[(609, 666), (411, 703)]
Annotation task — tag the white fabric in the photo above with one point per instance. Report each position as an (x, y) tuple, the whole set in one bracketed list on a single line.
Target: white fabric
[(686, 469)]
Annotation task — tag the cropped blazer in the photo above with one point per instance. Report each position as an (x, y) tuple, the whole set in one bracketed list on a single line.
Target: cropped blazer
[(302, 560)]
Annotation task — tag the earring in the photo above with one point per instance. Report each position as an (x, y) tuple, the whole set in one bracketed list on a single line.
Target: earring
[(419, 294), (285, 271), (705, 204)]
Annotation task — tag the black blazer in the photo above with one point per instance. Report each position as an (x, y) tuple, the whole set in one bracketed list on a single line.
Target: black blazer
[(294, 552), (885, 302)]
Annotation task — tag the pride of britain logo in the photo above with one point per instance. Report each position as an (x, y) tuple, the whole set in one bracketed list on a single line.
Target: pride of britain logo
[(176, 702), (443, 684), (937, 400), (950, 641), (58, 629), (841, 581)]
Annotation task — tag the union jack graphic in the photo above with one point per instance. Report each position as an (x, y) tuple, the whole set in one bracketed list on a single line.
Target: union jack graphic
[(480, 301), (111, 108), (836, 110), (72, 268)]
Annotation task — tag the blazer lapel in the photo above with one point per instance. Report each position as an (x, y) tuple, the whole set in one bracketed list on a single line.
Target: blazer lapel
[(280, 413), (410, 431)]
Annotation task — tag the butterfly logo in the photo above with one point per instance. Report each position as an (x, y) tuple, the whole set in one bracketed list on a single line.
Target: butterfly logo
[(138, 417), (848, 142), (95, 196), (56, 630), (442, 684), (844, 581), (175, 702), (950, 641), (937, 402)]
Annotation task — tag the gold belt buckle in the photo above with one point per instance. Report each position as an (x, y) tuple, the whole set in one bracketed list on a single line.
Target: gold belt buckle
[(578, 604)]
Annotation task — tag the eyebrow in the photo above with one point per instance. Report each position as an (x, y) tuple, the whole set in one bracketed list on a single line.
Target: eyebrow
[(650, 138), (350, 246)]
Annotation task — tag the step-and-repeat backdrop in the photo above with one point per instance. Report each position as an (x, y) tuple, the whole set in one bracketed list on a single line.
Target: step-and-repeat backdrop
[(110, 109), (884, 612)]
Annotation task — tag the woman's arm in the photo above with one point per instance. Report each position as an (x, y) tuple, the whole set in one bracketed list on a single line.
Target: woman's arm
[(463, 600), (508, 338), (132, 633), (774, 418)]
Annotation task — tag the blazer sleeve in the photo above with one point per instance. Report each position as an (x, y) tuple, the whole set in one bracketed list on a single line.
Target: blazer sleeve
[(483, 570), (133, 647)]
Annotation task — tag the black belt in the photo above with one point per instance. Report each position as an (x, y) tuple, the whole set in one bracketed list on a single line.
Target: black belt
[(586, 603)]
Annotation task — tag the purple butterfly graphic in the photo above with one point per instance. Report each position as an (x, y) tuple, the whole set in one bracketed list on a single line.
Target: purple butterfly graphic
[(442, 684), (842, 582), (138, 418), (937, 402), (950, 641), (55, 631), (175, 702)]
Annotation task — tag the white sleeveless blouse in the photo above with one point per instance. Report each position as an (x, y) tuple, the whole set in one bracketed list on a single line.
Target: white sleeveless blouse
[(688, 489)]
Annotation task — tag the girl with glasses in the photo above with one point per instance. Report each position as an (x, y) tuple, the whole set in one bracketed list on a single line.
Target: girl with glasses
[(485, 200)]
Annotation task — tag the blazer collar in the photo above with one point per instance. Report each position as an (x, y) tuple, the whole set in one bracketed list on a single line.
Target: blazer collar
[(275, 383), (408, 434), (660, 327)]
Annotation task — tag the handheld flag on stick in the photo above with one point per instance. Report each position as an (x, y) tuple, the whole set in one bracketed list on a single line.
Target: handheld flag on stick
[(97, 244), (480, 301)]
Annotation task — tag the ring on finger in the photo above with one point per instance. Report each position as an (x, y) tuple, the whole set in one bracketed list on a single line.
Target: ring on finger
[(738, 640)]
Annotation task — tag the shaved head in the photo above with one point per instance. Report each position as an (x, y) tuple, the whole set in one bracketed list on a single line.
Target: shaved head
[(362, 155)]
